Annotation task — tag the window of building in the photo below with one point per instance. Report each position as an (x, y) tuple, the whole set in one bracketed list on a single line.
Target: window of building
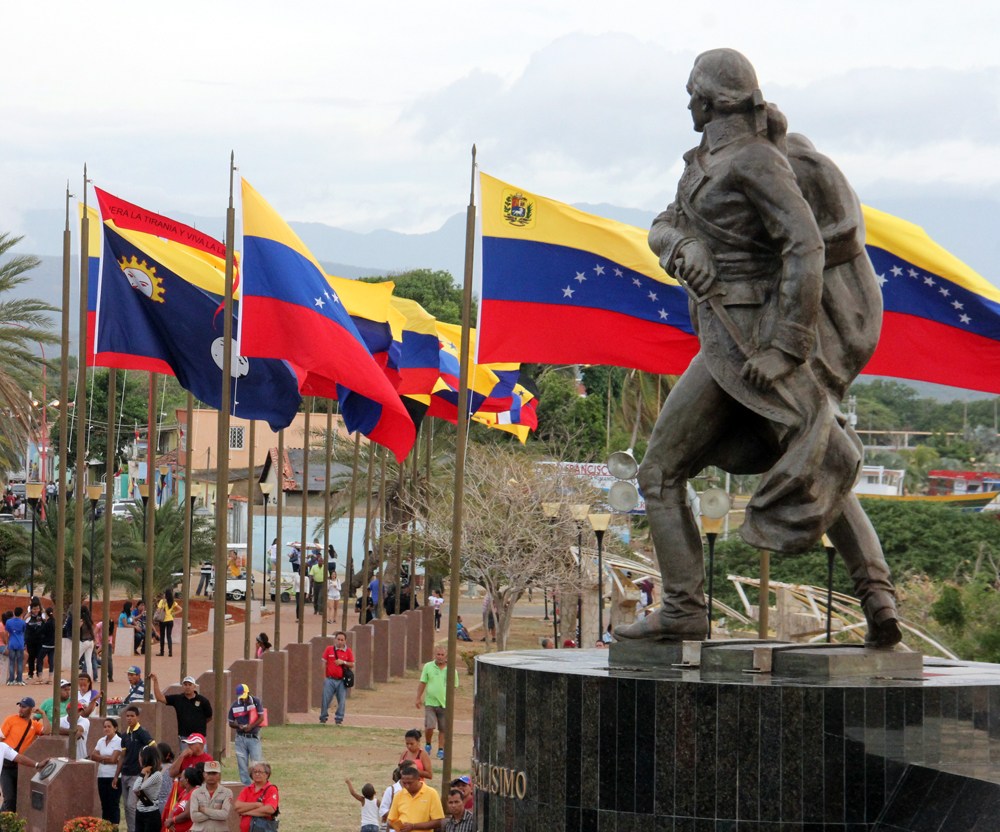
[(237, 438)]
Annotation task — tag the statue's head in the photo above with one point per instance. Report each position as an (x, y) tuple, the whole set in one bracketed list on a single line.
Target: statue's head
[(723, 81)]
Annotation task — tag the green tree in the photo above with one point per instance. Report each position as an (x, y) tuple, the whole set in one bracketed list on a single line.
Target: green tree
[(434, 290), (24, 324), (570, 425)]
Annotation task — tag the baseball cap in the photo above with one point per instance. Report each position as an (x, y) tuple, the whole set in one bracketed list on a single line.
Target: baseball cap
[(27, 702), (242, 691), (465, 779), (135, 669), (190, 679), (213, 765), (195, 738), (64, 683)]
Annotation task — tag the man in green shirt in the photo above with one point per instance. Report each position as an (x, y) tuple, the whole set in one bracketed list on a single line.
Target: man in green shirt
[(316, 576), (46, 705), (431, 696)]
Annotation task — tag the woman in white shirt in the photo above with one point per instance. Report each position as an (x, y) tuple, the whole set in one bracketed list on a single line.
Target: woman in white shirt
[(106, 753), (332, 596)]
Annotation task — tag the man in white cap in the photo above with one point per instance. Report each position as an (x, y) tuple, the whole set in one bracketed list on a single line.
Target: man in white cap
[(246, 715), (194, 711)]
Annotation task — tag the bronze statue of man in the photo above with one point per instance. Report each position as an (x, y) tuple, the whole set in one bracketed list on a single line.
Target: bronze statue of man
[(768, 238)]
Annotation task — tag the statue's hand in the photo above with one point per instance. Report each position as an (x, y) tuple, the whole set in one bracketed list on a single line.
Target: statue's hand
[(695, 265), (767, 367)]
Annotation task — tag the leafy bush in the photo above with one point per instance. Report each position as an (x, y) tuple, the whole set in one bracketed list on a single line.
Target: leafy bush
[(12, 822)]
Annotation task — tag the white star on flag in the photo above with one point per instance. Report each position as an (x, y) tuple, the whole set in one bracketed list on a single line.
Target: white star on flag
[(580, 277), (914, 273), (663, 314), (896, 271), (619, 273), (944, 291), (636, 281), (599, 269), (567, 292), (929, 281), (319, 302), (958, 305), (964, 319), (882, 279), (652, 297)]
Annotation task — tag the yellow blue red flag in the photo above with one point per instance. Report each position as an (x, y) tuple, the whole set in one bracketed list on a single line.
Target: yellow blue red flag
[(291, 311)]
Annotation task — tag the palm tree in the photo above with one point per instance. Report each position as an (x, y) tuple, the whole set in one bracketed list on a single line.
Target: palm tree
[(124, 568), (168, 542), (128, 551), (24, 322)]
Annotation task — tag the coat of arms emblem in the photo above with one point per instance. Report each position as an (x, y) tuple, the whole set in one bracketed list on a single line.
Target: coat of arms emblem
[(518, 209)]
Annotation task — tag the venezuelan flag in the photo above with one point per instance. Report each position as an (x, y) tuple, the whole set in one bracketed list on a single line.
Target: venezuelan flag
[(415, 348), (157, 304), (561, 286), (941, 320), (291, 311)]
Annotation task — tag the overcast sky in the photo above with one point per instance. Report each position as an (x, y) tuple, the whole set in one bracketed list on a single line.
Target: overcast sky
[(362, 115)]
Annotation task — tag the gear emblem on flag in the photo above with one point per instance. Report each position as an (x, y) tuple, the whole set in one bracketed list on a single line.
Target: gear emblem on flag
[(142, 278)]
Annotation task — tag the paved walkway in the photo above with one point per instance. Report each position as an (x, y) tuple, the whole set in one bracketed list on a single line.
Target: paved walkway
[(200, 649)]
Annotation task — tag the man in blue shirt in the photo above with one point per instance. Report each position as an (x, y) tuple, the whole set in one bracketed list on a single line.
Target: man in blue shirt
[(15, 647)]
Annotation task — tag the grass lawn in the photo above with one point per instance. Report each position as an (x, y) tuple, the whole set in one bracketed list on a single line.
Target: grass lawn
[(310, 761)]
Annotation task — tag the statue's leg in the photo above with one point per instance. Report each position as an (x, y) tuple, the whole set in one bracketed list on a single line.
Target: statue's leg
[(858, 544), (695, 415)]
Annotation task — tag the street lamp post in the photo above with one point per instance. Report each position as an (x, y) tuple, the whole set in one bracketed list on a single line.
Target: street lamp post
[(551, 511), (599, 523), (164, 470), (579, 512), (33, 491), (266, 488), (94, 492), (831, 555), (144, 495)]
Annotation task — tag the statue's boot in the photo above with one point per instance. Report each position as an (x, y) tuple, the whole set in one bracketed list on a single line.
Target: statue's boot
[(854, 537), (659, 626)]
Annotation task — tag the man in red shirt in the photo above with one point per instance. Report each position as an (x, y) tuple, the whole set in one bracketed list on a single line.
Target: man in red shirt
[(336, 658)]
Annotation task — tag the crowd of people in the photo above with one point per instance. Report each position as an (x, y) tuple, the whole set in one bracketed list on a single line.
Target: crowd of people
[(141, 778)]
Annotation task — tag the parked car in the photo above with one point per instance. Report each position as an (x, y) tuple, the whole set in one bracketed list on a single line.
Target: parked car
[(123, 509)]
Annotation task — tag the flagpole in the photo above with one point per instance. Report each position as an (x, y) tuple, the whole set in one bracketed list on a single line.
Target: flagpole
[(369, 568), (324, 590), (248, 565), (346, 592), (222, 478), (380, 608), (462, 428), (279, 512), (428, 439), (412, 522), (398, 565), (80, 476), (188, 526), (149, 518), (60, 591), (111, 458), (300, 601)]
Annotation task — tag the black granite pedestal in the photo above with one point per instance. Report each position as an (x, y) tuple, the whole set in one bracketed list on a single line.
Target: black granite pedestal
[(565, 742)]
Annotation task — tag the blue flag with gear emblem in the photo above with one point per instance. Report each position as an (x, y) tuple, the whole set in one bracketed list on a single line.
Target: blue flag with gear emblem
[(159, 308)]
